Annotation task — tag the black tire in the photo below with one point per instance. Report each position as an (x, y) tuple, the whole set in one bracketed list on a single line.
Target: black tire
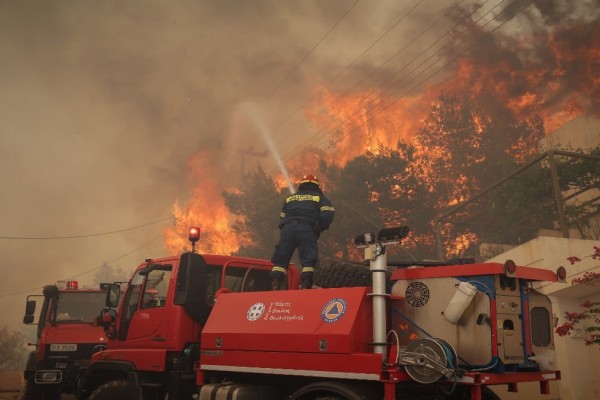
[(335, 391), (117, 390), (336, 274), (41, 392), (464, 393), (488, 394)]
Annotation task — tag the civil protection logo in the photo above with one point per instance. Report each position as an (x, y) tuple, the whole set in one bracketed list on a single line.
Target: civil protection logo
[(255, 311), (333, 310)]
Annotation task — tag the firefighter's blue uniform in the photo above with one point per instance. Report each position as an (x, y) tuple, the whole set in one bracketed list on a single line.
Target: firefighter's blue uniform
[(304, 215)]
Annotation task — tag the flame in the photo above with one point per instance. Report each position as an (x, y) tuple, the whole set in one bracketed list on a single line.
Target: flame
[(360, 122), (206, 210), (557, 82)]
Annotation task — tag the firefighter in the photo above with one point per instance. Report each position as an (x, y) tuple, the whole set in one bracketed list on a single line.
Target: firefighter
[(304, 215)]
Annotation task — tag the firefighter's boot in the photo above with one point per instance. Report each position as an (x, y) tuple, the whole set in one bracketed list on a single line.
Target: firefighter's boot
[(306, 282), (275, 284)]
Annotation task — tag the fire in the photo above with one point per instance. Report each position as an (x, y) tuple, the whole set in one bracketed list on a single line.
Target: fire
[(552, 75), (207, 210), (308, 161), (363, 122)]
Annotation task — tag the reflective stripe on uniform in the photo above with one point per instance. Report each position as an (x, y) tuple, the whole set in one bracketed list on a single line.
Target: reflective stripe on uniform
[(327, 208), (303, 197), (279, 269), (282, 214), (308, 269)]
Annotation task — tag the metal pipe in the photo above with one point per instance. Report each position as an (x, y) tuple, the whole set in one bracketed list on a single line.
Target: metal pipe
[(378, 266)]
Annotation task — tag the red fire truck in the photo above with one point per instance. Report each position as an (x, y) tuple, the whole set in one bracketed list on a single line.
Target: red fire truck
[(66, 338), (444, 332)]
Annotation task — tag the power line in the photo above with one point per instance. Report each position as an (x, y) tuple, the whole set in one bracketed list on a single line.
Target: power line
[(311, 50), (402, 18), (293, 153), (469, 47), (85, 235), (298, 148), (118, 258), (89, 270)]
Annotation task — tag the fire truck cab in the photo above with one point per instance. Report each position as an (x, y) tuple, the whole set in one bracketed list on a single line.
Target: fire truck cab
[(66, 338), (155, 336)]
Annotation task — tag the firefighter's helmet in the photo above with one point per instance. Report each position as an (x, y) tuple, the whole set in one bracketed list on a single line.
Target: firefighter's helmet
[(309, 178)]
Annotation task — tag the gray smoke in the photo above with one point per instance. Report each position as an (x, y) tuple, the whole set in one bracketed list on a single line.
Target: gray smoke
[(103, 102)]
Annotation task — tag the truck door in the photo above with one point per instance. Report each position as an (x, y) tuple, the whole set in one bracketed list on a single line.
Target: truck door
[(145, 316)]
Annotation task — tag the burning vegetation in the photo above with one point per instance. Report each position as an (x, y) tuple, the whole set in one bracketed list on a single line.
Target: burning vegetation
[(403, 154)]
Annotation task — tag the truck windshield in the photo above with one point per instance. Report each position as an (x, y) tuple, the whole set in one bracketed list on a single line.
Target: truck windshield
[(79, 306)]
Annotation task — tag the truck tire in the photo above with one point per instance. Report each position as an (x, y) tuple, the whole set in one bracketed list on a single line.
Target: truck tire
[(336, 273), (117, 390), (40, 392), (330, 390), (465, 394)]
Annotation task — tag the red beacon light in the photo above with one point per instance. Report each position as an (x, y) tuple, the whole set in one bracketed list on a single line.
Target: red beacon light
[(194, 236), (510, 268), (72, 285)]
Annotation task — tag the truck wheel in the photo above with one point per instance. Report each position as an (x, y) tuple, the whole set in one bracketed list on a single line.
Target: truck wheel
[(117, 390), (37, 392), (336, 273), (335, 391), (465, 394)]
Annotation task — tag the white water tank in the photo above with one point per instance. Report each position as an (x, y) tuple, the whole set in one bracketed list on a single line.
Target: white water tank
[(465, 292)]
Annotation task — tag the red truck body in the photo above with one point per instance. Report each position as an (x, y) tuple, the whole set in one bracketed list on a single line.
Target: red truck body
[(446, 332)]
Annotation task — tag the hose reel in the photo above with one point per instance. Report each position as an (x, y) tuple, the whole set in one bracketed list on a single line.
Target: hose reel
[(427, 360)]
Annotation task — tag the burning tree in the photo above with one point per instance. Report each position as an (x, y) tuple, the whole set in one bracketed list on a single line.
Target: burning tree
[(373, 191), (257, 202), (407, 157)]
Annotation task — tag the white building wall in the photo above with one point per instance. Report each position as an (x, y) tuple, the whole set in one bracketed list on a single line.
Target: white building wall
[(581, 133)]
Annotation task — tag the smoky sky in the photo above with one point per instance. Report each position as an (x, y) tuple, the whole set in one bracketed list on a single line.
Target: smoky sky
[(102, 103)]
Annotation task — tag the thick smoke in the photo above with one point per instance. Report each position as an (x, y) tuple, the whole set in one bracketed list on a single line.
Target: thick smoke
[(103, 104)]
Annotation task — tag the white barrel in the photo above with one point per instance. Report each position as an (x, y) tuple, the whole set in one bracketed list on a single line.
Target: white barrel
[(459, 302)]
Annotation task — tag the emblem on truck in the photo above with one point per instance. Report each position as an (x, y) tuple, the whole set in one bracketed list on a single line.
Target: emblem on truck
[(333, 310), (255, 311)]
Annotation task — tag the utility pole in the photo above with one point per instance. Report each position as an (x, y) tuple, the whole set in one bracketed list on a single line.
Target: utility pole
[(249, 152), (558, 197)]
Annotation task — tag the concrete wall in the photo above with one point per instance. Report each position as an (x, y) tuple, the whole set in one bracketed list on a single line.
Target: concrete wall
[(581, 133)]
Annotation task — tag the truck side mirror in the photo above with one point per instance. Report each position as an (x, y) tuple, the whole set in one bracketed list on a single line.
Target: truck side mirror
[(30, 307), (191, 291), (113, 294), (29, 311)]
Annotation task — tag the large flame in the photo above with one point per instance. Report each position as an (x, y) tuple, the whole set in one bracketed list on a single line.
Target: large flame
[(362, 122), (557, 82), (206, 209), (553, 75)]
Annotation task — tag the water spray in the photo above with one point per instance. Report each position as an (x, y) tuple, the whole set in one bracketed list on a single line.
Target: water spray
[(253, 113)]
